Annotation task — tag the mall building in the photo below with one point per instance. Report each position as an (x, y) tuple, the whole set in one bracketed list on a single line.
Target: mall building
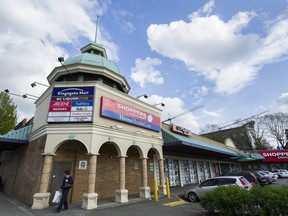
[(115, 145)]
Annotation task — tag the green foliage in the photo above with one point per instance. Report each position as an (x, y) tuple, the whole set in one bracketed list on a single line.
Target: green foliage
[(8, 113), (233, 200)]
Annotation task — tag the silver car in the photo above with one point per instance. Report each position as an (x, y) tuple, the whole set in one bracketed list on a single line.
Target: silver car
[(194, 193)]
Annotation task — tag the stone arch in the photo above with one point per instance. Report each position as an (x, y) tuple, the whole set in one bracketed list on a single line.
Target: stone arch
[(118, 149), (157, 151), (64, 142)]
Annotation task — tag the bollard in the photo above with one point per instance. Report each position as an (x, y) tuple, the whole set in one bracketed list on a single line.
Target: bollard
[(155, 190), (168, 187)]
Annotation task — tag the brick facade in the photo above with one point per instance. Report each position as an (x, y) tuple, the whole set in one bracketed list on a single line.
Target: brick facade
[(21, 174)]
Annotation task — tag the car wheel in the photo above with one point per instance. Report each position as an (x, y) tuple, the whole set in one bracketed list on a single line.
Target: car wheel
[(193, 197)]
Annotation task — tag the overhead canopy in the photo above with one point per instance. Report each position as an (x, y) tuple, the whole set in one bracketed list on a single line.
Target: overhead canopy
[(175, 142), (8, 144), (15, 139)]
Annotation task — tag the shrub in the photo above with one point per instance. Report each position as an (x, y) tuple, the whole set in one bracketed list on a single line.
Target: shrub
[(259, 201)]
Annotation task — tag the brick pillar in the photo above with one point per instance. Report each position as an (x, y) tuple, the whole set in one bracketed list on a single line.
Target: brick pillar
[(144, 190), (122, 193), (162, 186), (41, 199), (90, 198)]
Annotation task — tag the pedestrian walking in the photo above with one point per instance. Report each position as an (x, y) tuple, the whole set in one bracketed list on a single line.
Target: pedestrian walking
[(65, 187)]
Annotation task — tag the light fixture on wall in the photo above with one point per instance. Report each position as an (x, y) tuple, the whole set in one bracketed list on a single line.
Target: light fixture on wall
[(143, 95), (116, 126), (35, 84), (140, 132), (162, 104), (18, 95), (61, 60), (33, 97)]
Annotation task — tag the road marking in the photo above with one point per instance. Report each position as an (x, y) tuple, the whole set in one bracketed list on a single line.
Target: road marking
[(176, 203)]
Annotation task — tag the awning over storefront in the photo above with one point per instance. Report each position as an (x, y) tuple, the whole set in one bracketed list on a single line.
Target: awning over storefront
[(8, 144), (174, 142), (15, 139)]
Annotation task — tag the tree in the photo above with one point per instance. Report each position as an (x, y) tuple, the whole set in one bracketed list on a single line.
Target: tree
[(258, 133), (8, 113), (209, 128), (275, 125)]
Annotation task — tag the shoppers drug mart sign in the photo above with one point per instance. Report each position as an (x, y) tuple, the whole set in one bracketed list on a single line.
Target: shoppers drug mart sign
[(71, 104), (128, 114), (275, 155)]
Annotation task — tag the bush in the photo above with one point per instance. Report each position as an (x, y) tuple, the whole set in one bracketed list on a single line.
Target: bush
[(233, 200)]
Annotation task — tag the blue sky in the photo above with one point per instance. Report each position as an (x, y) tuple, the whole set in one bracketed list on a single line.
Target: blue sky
[(230, 56)]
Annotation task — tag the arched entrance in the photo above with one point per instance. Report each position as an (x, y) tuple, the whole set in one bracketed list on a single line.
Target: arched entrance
[(134, 177), (70, 155), (107, 172)]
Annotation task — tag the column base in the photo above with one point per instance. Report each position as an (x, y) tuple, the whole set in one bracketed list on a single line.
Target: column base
[(41, 200), (162, 190), (145, 192), (89, 201), (121, 196)]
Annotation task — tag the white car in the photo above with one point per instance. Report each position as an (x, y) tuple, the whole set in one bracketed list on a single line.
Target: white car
[(270, 177), (282, 173), (194, 194)]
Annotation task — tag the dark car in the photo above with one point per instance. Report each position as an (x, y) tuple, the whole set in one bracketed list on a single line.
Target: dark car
[(260, 178), (247, 174)]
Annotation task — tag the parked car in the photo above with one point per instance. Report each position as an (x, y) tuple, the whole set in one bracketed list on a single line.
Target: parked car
[(194, 194), (282, 173), (260, 178), (270, 177), (247, 174)]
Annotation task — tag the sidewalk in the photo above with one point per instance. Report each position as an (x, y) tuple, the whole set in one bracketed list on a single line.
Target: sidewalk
[(12, 207)]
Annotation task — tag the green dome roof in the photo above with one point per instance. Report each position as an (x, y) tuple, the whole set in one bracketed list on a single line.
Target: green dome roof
[(92, 59)]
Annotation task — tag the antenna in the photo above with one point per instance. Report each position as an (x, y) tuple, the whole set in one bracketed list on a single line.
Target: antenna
[(183, 113), (96, 28), (239, 120)]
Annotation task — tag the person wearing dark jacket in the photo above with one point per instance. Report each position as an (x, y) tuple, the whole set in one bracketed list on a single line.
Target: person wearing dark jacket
[(65, 187)]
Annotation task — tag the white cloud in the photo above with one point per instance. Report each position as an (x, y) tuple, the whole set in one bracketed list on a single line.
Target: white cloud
[(144, 72), (122, 18), (219, 50), (33, 34), (282, 103), (206, 9), (174, 109)]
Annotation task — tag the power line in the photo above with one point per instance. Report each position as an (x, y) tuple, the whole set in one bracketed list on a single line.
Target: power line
[(183, 113)]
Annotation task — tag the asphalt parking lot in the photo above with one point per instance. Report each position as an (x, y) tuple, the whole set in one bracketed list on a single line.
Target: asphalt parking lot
[(173, 206)]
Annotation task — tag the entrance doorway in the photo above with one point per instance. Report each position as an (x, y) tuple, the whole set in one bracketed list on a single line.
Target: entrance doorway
[(57, 176)]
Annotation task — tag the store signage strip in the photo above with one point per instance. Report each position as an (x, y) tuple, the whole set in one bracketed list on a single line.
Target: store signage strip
[(125, 113), (274, 155)]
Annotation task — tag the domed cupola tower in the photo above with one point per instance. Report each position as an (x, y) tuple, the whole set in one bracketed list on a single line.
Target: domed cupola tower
[(91, 65)]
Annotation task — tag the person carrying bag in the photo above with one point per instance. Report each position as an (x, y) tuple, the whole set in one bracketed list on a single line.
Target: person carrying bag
[(65, 187)]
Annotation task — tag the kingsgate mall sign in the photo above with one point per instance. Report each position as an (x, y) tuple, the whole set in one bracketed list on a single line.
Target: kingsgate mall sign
[(274, 155), (71, 104), (125, 113)]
